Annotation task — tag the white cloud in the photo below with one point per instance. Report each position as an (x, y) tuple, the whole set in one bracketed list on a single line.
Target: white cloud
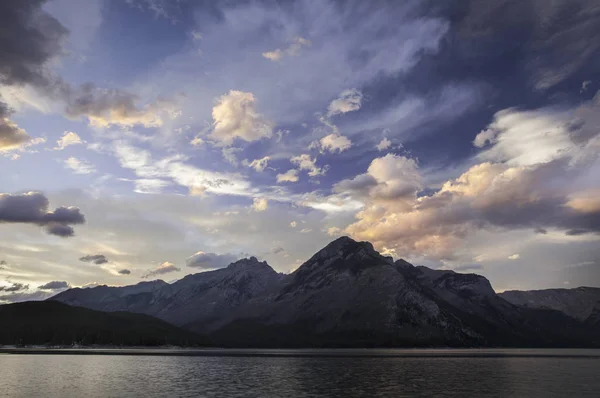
[(79, 166), (334, 231), (230, 157), (174, 168), (391, 178), (383, 144), (292, 50), (197, 141), (289, 176), (68, 138), (235, 117), (305, 230), (332, 143), (514, 256), (260, 204), (349, 101), (259, 164), (524, 138), (293, 224), (305, 162), (150, 185)]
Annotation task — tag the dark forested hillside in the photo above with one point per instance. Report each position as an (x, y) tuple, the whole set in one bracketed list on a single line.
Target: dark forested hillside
[(54, 323)]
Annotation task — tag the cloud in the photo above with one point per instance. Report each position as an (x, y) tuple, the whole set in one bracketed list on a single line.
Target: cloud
[(69, 138), (292, 50), (162, 269), (35, 38), (559, 37), (305, 162), (259, 164), (468, 267), (106, 107), (54, 285), (94, 258), (514, 256), (539, 174), (260, 204), (293, 224), (349, 101), (230, 157), (289, 176), (198, 181), (149, 185), (210, 260), (11, 136), (20, 296), (526, 137), (124, 272), (383, 144), (15, 287), (487, 196), (585, 85), (334, 231), (79, 166), (32, 208), (332, 143), (390, 178), (235, 117)]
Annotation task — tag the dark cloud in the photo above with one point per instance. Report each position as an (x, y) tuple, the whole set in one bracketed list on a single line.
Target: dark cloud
[(54, 285), (15, 287), (164, 268), (210, 260), (94, 258), (30, 38), (32, 208), (555, 39), (125, 272)]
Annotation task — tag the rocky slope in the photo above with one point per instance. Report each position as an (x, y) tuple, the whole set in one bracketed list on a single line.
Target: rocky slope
[(578, 303), (347, 294)]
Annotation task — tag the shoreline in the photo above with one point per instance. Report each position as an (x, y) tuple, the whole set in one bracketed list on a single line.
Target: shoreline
[(583, 353)]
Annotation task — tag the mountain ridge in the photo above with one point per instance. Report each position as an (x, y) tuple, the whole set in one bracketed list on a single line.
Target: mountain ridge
[(346, 294)]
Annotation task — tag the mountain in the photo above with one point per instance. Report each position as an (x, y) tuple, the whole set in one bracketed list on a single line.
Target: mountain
[(580, 303), (54, 323), (347, 294), (202, 297)]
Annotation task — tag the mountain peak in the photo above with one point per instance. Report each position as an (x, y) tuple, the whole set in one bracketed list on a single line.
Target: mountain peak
[(346, 244), (343, 253), (250, 262)]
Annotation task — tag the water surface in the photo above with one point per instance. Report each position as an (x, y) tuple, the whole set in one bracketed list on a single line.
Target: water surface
[(305, 373)]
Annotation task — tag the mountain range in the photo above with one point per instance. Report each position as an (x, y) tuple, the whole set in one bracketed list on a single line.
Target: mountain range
[(349, 295)]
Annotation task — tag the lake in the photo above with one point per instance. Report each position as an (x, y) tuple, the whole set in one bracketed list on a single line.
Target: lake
[(302, 373)]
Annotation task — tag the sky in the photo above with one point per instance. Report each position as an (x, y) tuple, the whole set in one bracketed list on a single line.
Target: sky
[(147, 139)]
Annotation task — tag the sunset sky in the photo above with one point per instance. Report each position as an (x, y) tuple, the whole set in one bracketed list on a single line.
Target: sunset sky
[(146, 139)]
